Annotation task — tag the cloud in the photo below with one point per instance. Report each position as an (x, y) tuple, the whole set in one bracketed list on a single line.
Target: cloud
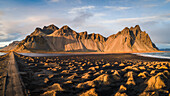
[(14, 29), (8, 32), (99, 14), (1, 12), (160, 32), (8, 37), (92, 18), (117, 7), (129, 20), (78, 1), (81, 9), (36, 18), (155, 26), (139, 19), (53, 0), (81, 18), (150, 5), (65, 1), (167, 1), (80, 15), (149, 23)]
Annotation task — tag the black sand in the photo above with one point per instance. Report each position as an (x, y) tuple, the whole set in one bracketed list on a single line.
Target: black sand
[(102, 75)]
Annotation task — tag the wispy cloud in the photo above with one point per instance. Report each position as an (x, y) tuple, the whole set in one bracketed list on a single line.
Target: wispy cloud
[(22, 18), (150, 5), (156, 26), (81, 9), (1, 13), (140, 19), (81, 14), (8, 37), (36, 18), (53, 0), (167, 1), (17, 29), (128, 20), (80, 19), (99, 14), (65, 1), (117, 7), (8, 31)]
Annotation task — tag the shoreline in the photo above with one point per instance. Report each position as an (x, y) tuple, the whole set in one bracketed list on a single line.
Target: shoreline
[(43, 53), (138, 55), (63, 52), (152, 56)]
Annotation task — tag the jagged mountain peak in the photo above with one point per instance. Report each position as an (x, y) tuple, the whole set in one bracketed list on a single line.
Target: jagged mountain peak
[(65, 39), (45, 31), (130, 40), (83, 33), (136, 29), (52, 27), (133, 31), (66, 27), (126, 30), (63, 31), (38, 29)]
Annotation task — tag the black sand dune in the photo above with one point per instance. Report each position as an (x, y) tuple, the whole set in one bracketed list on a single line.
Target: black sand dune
[(95, 75)]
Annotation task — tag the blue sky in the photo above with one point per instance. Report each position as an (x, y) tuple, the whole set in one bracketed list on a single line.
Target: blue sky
[(18, 18)]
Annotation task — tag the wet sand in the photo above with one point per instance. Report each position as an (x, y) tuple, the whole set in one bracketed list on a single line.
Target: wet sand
[(95, 75)]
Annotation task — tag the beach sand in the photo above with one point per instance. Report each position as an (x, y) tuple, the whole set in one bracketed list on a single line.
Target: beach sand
[(95, 75)]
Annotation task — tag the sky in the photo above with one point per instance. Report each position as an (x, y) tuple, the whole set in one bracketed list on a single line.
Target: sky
[(19, 18)]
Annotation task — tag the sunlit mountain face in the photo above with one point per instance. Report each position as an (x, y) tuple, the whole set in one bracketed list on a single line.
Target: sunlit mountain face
[(53, 39)]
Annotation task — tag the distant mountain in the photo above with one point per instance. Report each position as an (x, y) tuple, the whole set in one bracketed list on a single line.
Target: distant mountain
[(3, 47), (52, 38), (11, 46), (166, 49)]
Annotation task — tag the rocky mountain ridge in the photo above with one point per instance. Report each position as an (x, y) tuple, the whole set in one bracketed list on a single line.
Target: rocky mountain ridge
[(129, 40), (11, 46), (52, 38)]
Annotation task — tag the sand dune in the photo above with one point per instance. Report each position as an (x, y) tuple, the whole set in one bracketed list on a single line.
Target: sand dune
[(95, 75)]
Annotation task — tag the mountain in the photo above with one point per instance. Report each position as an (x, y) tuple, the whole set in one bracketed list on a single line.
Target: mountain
[(52, 38), (11, 46), (130, 40), (165, 49), (3, 47), (45, 31)]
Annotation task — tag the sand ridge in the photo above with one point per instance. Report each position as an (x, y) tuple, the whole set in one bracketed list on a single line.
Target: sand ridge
[(95, 75)]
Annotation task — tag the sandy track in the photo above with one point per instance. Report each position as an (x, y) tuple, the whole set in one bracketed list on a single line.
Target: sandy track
[(14, 82)]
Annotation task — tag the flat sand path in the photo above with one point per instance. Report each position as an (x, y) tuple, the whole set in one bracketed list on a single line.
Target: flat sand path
[(14, 83)]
